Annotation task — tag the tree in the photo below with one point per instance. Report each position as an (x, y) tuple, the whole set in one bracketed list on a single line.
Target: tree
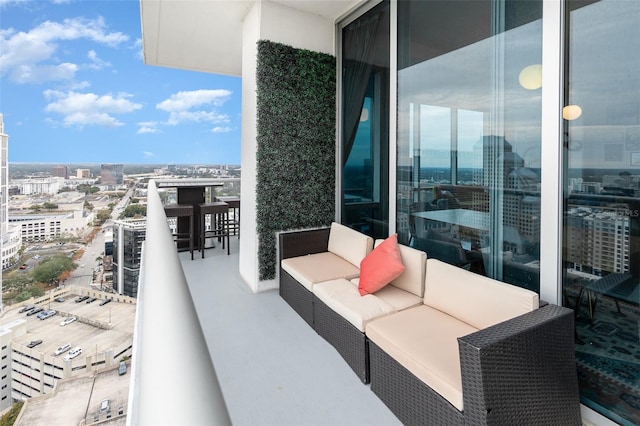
[(50, 269), (16, 281), (36, 207), (88, 206), (103, 215), (49, 206), (28, 293), (134, 210)]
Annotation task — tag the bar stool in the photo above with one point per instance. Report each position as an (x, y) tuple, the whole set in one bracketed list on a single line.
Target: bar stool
[(219, 212), (177, 211), (234, 205)]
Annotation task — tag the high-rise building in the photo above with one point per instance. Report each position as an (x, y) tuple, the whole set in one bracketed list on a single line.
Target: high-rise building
[(128, 236), (83, 173), (10, 237), (4, 177), (4, 183), (61, 171), (112, 174)]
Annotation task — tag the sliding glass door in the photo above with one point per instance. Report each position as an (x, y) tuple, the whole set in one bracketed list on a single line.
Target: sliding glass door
[(365, 118), (601, 256), (469, 117)]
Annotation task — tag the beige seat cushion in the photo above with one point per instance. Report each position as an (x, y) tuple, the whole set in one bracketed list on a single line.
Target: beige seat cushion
[(477, 300), (343, 297), (314, 268), (395, 297), (349, 244), (424, 341)]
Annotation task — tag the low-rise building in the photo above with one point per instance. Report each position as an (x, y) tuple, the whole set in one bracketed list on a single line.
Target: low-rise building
[(46, 227)]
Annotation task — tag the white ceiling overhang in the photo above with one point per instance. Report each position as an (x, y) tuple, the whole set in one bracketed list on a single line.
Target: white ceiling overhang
[(206, 35)]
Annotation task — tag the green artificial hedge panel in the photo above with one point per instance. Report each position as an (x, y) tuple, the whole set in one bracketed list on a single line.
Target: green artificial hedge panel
[(296, 126)]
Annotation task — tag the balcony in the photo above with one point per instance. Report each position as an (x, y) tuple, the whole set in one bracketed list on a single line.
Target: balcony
[(209, 351)]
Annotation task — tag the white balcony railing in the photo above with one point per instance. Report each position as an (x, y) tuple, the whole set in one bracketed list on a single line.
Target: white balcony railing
[(174, 380)]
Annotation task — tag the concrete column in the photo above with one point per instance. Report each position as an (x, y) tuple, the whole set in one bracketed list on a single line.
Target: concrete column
[(280, 24)]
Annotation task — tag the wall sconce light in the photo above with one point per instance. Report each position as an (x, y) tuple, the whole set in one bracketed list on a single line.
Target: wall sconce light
[(571, 112), (364, 115), (531, 77)]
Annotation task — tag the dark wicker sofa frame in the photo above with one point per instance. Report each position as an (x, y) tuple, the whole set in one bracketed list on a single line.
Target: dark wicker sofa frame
[(293, 244), (518, 372), (350, 342)]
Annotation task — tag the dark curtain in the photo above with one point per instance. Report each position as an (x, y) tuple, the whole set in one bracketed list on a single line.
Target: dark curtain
[(359, 40)]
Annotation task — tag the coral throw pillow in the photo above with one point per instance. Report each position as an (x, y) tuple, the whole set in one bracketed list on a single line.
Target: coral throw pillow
[(381, 266)]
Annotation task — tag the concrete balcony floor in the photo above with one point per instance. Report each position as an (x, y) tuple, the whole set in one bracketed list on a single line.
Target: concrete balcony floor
[(272, 367)]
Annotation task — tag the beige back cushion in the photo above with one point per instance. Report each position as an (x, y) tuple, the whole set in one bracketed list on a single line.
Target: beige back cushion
[(349, 244), (415, 263), (477, 300)]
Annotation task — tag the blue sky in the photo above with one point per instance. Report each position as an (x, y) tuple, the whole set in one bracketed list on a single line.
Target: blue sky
[(74, 88)]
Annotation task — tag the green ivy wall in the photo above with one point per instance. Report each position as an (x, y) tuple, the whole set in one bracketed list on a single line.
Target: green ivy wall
[(296, 157)]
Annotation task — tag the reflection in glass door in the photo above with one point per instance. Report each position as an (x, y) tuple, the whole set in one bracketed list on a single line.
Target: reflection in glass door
[(469, 114), (602, 202)]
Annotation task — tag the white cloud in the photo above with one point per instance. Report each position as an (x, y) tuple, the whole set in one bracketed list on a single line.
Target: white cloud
[(80, 109), (148, 127), (96, 63), (148, 154), (137, 46), (30, 57), (195, 106), (219, 129)]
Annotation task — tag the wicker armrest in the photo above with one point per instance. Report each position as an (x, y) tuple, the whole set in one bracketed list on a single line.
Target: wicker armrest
[(523, 368), (300, 243)]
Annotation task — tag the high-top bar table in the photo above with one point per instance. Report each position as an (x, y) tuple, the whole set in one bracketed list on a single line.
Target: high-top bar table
[(190, 191)]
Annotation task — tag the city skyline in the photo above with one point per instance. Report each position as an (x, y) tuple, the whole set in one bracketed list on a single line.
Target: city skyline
[(74, 89)]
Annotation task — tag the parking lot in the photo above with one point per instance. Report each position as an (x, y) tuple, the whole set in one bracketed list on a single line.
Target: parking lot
[(97, 328)]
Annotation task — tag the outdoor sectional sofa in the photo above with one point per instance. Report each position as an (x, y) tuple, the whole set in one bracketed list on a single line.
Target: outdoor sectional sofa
[(313, 256), (469, 350)]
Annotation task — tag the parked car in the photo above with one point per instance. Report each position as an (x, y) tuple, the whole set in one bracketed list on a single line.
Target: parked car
[(34, 343), (46, 314), (62, 349), (24, 266), (59, 299), (73, 353), (91, 299), (35, 311), (105, 301), (105, 405), (26, 308), (81, 299), (68, 320), (122, 369)]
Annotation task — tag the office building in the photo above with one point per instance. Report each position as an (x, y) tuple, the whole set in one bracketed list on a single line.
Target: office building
[(10, 237), (128, 236), (48, 227), (61, 171), (112, 174), (83, 173)]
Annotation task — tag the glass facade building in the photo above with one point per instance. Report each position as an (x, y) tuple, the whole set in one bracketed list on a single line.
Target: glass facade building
[(503, 136), (128, 237)]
